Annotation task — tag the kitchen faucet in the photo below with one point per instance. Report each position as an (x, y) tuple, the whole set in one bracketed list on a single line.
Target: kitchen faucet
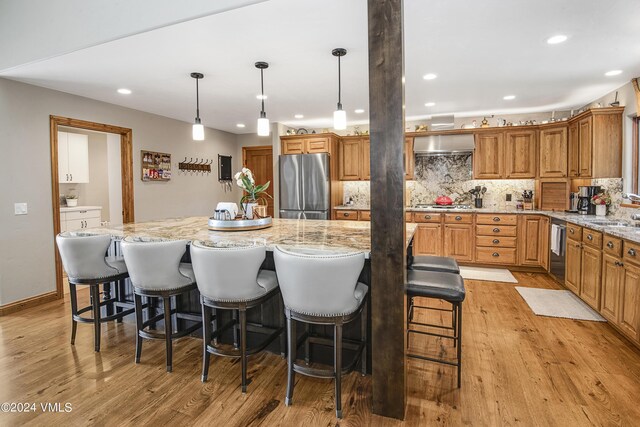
[(633, 198)]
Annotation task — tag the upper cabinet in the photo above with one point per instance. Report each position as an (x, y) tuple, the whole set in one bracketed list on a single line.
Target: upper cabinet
[(307, 144), (595, 144), (408, 158), (354, 158), (488, 155), (73, 158), (520, 154), (553, 152)]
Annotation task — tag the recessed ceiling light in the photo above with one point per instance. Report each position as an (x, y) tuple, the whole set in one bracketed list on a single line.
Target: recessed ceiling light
[(509, 97), (261, 96), (429, 76), (299, 116), (613, 73), (358, 111), (429, 104), (124, 91), (557, 39), (240, 125)]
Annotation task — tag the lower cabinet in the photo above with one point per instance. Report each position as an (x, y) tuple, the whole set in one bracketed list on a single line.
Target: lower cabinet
[(533, 241), (80, 219), (630, 302), (458, 241), (612, 282), (590, 276), (573, 266), (428, 240)]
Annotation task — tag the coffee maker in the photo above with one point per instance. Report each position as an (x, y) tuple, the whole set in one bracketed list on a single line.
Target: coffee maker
[(585, 193)]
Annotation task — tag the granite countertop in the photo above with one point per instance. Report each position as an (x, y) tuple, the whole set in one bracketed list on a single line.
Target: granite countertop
[(79, 208), (313, 234)]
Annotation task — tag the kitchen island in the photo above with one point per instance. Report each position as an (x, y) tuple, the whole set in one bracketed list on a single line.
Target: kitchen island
[(309, 234)]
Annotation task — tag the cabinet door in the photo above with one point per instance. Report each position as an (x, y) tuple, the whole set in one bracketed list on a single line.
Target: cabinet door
[(350, 156), (612, 277), (458, 241), (316, 145), (488, 156), (586, 144), (408, 158), (573, 266), (630, 301), (574, 150), (92, 222), (590, 276), (428, 239), (63, 157), (532, 240), (293, 146), (520, 154), (553, 153), (78, 157), (365, 172)]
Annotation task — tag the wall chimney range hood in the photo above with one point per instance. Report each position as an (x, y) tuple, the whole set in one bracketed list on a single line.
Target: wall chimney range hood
[(443, 144)]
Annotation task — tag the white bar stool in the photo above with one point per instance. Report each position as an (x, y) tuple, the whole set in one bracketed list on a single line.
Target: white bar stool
[(84, 261), (230, 278), (321, 287), (156, 272)]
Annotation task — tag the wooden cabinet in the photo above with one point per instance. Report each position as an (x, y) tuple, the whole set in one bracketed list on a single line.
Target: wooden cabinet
[(612, 282), (533, 241), (520, 154), (428, 239), (590, 276), (349, 159), (408, 158), (73, 158), (349, 215), (458, 241), (574, 150), (365, 161), (306, 144), (585, 137), (629, 314), (573, 266), (80, 218), (488, 156), (364, 215), (553, 152)]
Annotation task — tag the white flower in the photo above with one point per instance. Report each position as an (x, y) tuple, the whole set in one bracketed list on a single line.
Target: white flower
[(245, 171), (236, 176), (240, 184)]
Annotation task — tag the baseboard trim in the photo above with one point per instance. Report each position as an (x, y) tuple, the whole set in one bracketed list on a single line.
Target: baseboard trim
[(23, 304)]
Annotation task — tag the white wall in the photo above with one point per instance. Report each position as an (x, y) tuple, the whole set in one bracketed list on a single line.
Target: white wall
[(27, 241), (115, 179)]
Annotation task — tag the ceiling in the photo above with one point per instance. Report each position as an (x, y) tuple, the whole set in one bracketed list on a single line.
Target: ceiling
[(481, 51)]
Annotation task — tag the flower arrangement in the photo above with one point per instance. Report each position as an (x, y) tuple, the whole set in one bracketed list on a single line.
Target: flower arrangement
[(601, 199), (254, 193)]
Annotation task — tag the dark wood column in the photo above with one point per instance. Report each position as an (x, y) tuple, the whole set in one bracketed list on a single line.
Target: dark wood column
[(388, 249)]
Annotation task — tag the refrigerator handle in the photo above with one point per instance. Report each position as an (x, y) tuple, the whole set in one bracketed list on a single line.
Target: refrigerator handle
[(300, 180)]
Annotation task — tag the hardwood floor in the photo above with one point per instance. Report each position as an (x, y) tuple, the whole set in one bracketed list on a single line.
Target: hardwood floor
[(518, 368)]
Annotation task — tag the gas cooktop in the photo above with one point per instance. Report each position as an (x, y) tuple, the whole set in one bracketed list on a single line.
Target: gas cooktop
[(444, 206)]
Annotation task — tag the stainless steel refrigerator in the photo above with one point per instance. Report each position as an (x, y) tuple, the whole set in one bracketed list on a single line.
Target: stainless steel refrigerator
[(304, 186)]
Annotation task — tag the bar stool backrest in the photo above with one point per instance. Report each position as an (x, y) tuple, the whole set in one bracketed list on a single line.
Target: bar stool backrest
[(83, 256), (317, 282), (227, 273), (155, 264)]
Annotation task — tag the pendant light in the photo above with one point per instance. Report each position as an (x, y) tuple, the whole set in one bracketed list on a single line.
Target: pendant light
[(339, 116), (263, 122), (198, 128)]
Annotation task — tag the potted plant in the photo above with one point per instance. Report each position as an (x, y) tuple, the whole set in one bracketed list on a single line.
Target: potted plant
[(253, 193), (601, 200), (71, 199)]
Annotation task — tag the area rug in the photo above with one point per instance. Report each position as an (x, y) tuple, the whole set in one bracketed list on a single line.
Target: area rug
[(558, 303), (487, 274)]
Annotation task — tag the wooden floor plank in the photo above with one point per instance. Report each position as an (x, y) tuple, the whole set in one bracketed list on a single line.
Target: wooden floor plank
[(518, 368)]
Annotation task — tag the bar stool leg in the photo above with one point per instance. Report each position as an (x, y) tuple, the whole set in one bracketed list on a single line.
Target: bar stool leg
[(243, 347), (283, 335), (459, 310), (337, 366), (291, 358), (139, 325), (234, 314), (74, 311), (307, 345), (363, 335), (206, 338), (167, 331), (95, 300), (215, 323), (454, 315)]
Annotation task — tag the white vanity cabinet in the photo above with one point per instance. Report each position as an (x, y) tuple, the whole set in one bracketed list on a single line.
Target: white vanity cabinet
[(73, 158), (79, 218)]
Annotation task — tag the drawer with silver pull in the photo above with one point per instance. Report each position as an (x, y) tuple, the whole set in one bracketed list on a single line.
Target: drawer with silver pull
[(612, 245), (592, 238), (574, 232), (347, 215), (458, 218), (496, 255), (496, 230), (426, 217), (496, 241), (631, 252), (496, 219)]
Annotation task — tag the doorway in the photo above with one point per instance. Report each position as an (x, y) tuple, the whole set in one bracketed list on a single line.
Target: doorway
[(260, 160), (62, 179)]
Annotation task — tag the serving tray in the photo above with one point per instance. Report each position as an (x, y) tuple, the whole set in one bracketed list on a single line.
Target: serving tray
[(240, 224)]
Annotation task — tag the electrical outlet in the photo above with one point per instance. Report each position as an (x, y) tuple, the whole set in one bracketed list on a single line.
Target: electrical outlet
[(20, 208), (508, 197)]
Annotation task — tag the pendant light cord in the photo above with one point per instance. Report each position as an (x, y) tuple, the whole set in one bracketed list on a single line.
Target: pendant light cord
[(262, 88), (197, 100), (339, 84)]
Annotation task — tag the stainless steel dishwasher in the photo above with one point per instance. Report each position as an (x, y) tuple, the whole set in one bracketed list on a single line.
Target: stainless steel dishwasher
[(558, 248)]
